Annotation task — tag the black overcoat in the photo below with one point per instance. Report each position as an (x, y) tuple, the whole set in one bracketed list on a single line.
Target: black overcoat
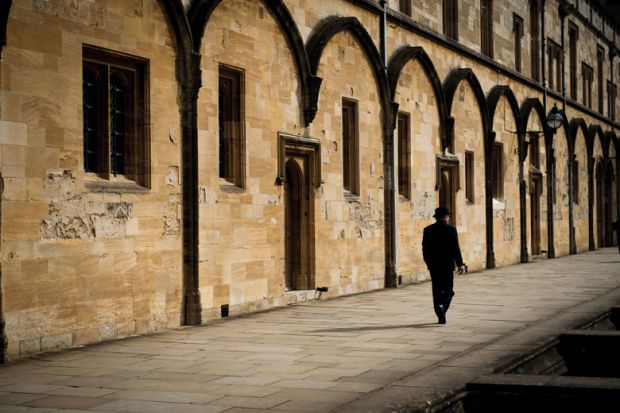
[(440, 247)]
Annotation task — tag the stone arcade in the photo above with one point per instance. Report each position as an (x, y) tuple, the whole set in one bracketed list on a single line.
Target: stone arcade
[(168, 162)]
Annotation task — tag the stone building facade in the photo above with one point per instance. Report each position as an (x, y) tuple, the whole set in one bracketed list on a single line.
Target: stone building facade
[(168, 162)]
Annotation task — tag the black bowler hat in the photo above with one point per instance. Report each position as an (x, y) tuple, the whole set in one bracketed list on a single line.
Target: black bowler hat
[(441, 212)]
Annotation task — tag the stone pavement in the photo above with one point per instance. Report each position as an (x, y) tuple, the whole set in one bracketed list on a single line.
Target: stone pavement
[(374, 352)]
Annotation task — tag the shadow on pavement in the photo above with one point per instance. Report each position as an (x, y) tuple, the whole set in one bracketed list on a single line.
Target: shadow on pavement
[(371, 328)]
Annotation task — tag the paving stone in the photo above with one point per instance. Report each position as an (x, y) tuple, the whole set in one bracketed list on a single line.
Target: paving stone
[(9, 408), (248, 391), (18, 398), (355, 387), (69, 402), (34, 388), (306, 384), (362, 353), (252, 402), (165, 396), (138, 406), (82, 392), (166, 385)]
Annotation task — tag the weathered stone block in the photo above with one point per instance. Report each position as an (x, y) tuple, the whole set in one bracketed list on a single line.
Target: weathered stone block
[(13, 133), (56, 342), (29, 346), (108, 332), (86, 336)]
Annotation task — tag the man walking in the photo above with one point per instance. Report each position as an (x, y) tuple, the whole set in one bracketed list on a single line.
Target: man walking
[(440, 248)]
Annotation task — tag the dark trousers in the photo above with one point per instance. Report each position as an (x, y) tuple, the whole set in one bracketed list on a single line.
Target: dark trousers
[(443, 284)]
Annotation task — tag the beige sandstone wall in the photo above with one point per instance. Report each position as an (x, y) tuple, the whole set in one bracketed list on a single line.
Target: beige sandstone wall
[(560, 206), (534, 124), (580, 209), (416, 97), (470, 216), (241, 234), (81, 265), (597, 153), (506, 212), (614, 194), (350, 229)]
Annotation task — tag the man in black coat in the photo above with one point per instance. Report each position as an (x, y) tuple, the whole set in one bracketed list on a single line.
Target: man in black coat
[(441, 251)]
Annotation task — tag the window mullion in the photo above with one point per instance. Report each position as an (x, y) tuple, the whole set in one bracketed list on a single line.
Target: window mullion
[(104, 141)]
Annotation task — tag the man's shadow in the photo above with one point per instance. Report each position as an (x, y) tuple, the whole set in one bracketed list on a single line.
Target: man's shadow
[(376, 328)]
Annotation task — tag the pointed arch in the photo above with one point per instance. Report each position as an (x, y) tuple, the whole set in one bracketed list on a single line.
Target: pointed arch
[(200, 12), (449, 86), (493, 98), (611, 140), (399, 60), (508, 137), (529, 106), (566, 127), (595, 131), (5, 7), (577, 124), (325, 31), (322, 34)]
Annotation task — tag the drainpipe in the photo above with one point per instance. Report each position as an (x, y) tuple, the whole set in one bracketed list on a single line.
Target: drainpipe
[(613, 52), (548, 142), (383, 33), (544, 51), (389, 170), (564, 10), (489, 200), (522, 201)]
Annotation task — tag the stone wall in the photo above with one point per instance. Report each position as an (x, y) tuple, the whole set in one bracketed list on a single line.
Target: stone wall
[(350, 253), (469, 217), (561, 198), (580, 208), (506, 212), (415, 96), (84, 259)]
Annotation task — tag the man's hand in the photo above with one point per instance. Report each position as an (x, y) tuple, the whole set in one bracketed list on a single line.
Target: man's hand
[(461, 269)]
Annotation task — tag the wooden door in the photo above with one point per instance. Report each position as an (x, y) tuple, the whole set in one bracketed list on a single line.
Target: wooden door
[(298, 222), (447, 193)]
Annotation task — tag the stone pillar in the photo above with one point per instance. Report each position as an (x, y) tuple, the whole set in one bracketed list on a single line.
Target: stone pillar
[(488, 193)]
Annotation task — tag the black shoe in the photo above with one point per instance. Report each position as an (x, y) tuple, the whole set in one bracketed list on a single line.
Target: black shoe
[(441, 316)]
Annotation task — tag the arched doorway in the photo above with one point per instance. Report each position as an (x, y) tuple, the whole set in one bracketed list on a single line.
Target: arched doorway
[(447, 190), (599, 207), (299, 230)]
